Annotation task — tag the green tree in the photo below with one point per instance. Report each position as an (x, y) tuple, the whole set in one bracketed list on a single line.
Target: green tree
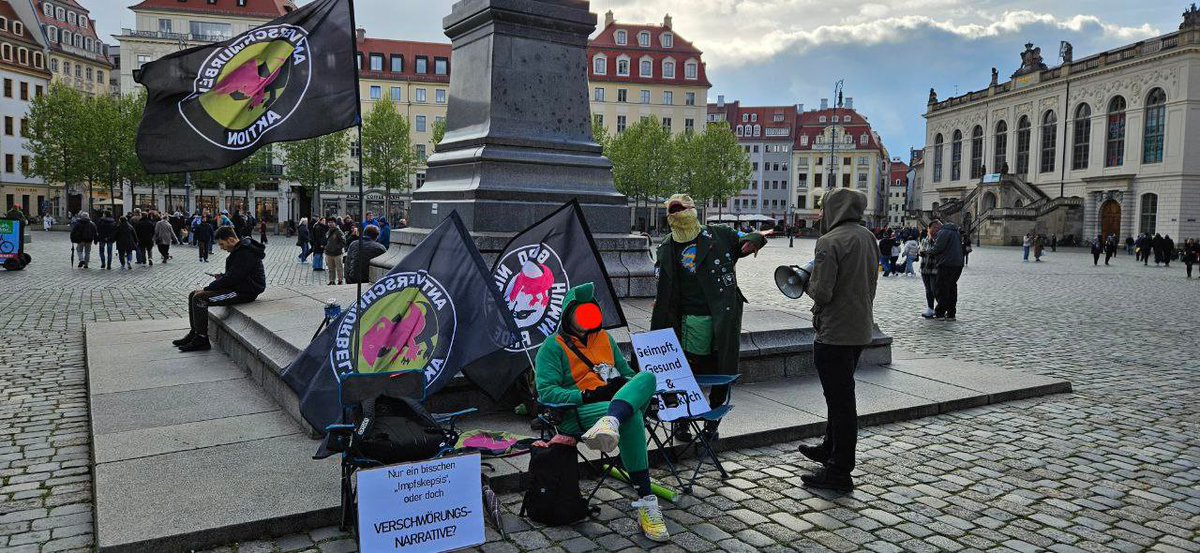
[(599, 133), (316, 162), (57, 137), (439, 131), (387, 153), (644, 162), (722, 167)]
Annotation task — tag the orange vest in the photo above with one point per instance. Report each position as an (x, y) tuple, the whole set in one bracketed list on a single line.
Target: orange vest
[(598, 350)]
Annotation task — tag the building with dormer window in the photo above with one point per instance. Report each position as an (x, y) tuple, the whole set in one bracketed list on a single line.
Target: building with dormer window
[(78, 58), (23, 77)]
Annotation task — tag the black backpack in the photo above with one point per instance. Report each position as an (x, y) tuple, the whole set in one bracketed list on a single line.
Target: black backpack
[(398, 430), (552, 487)]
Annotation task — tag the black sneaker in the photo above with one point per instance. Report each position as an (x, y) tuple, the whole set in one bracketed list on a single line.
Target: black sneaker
[(199, 343), (185, 339), (950, 317), (815, 453), (826, 479)]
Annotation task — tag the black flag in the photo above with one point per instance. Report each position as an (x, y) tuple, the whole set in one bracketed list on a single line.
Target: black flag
[(534, 272), (211, 106), (435, 313)]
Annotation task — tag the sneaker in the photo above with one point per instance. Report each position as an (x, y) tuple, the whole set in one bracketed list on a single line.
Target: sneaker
[(927, 313), (185, 339), (650, 518), (815, 453), (199, 343), (603, 435), (826, 479), (950, 317)]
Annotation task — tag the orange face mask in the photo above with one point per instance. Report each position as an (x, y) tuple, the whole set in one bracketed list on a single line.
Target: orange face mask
[(588, 317)]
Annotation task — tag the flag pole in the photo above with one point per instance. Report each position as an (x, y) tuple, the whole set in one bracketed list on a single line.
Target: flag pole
[(362, 204)]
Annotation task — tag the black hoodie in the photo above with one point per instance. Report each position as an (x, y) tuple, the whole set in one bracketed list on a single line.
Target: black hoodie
[(244, 271)]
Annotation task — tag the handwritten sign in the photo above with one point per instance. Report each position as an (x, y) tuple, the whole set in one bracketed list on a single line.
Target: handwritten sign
[(426, 506), (659, 352)]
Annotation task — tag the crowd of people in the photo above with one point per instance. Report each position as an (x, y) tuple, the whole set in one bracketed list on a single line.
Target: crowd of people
[(341, 246)]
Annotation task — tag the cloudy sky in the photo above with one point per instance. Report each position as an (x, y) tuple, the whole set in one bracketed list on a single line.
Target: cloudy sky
[(780, 52)]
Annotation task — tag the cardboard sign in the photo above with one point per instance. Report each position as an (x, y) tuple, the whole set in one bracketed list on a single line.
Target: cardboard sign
[(991, 178), (659, 352), (426, 506), (11, 239)]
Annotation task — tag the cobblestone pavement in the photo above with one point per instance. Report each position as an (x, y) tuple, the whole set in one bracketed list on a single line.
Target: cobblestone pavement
[(1111, 467)]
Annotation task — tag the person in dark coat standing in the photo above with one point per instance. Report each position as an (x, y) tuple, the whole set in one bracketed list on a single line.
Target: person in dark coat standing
[(319, 230), (303, 237), (83, 234), (106, 230), (360, 253), (1097, 249), (698, 295), (1168, 250), (1156, 244), (947, 254), (126, 241), (145, 235), (885, 254), (1190, 254), (1110, 248), (204, 237)]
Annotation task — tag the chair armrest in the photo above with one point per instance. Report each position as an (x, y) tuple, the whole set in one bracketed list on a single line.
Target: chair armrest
[(339, 427), (705, 380), (444, 417), (558, 406)]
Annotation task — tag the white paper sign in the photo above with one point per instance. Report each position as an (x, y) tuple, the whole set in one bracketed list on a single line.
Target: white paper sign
[(659, 352), (426, 506)]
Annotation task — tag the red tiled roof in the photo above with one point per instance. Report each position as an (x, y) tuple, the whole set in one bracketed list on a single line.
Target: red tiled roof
[(25, 38), (89, 31), (409, 50), (681, 51), (254, 8)]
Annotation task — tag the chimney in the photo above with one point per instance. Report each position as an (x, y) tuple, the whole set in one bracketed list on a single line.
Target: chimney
[(361, 34), (824, 104), (608, 18), (667, 21), (849, 103), (720, 100), (799, 108)]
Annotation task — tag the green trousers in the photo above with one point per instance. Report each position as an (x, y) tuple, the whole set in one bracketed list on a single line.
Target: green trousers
[(637, 393)]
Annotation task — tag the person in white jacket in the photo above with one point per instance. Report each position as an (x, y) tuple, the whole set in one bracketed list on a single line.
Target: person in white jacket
[(909, 252)]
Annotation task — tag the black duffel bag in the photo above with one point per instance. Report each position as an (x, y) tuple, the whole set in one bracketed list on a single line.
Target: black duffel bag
[(398, 430)]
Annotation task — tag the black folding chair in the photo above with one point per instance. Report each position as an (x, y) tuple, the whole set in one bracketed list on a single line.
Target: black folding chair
[(694, 423), (358, 393), (550, 418)]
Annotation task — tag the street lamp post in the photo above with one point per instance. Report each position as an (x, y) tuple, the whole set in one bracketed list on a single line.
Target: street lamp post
[(837, 94)]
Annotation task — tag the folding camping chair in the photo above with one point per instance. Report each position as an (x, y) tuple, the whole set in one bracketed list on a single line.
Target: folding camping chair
[(550, 419), (358, 393), (694, 422)]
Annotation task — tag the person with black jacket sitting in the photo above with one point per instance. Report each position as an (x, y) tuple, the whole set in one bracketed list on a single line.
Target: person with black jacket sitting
[(243, 280), (360, 253)]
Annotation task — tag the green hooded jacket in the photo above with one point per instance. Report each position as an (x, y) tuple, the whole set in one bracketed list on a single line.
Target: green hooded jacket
[(556, 382)]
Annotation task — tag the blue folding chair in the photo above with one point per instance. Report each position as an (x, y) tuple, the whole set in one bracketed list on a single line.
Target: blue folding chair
[(550, 419), (699, 440)]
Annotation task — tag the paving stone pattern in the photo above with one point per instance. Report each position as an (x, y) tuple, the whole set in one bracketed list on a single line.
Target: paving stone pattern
[(1111, 467)]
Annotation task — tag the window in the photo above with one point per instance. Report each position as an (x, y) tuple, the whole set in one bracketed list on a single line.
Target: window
[(644, 39), (846, 161), (938, 144), (142, 59), (397, 64), (8, 126), (1023, 129), (439, 96), (823, 119), (598, 95), (956, 156), (420, 180), (6, 52), (621, 37), (355, 148), (622, 95), (70, 18), (757, 132), (845, 180), (689, 70), (66, 37), (1049, 141), (18, 28), (977, 152), (817, 179), (622, 66), (667, 40), (420, 96), (645, 96), (396, 94), (37, 91), (666, 124), (598, 120), (1114, 150), (1081, 137), (420, 123), (48, 9), (754, 117), (376, 62), (804, 140), (376, 92), (739, 132), (862, 180), (862, 139), (689, 98), (420, 149), (8, 163), (204, 30), (422, 65), (25, 165), (668, 98), (620, 123), (600, 65), (689, 125), (54, 65), (1152, 138), (60, 14), (38, 61), (1149, 213), (89, 73), (668, 70), (23, 56), (441, 66), (52, 33), (647, 68)]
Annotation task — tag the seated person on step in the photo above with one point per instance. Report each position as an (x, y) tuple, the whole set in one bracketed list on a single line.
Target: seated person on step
[(243, 280)]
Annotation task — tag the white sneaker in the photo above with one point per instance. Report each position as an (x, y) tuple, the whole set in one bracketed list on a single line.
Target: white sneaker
[(603, 435), (650, 518), (927, 313)]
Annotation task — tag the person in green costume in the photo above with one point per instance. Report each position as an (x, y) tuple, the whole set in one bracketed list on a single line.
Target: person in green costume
[(698, 295), (583, 366)]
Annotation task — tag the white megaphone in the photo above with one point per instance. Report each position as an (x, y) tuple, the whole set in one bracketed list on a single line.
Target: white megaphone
[(792, 280)]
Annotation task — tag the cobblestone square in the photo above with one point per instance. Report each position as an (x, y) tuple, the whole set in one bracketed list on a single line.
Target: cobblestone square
[(1110, 467)]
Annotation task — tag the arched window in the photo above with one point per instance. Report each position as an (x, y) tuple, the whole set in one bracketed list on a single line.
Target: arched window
[(37, 60), (1156, 122), (989, 201), (23, 56), (18, 28), (667, 40), (644, 39), (54, 65), (1023, 145), (623, 66), (600, 65), (1049, 141), (977, 152), (956, 156), (862, 139), (1081, 137), (739, 130), (668, 69), (1001, 141), (1114, 148), (646, 67), (1149, 213), (6, 52), (621, 37), (690, 70), (938, 146)]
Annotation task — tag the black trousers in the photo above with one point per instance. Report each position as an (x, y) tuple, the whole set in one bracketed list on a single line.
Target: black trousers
[(203, 248), (707, 364), (946, 285), (165, 251), (1096, 259), (200, 300), (835, 367), (1189, 269), (1108, 255), (930, 281)]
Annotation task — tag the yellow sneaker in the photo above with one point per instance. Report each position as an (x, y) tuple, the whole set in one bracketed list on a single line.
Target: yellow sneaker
[(603, 435), (651, 519)]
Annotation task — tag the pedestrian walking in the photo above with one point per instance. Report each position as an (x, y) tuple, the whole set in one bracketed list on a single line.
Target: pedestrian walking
[(928, 271), (966, 249), (1156, 244), (335, 248), (145, 235), (317, 236), (1039, 246), (126, 240), (1053, 243), (1097, 249), (106, 231), (1129, 245), (82, 236), (1190, 254), (47, 222), (895, 256), (842, 288), (303, 236), (164, 236), (885, 254), (1168, 250), (385, 233), (262, 232), (947, 254), (1026, 244), (1110, 248), (204, 233), (909, 253)]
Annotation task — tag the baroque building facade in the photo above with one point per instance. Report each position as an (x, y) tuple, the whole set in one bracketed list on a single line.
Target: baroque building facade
[(78, 58), (23, 77), (1103, 145)]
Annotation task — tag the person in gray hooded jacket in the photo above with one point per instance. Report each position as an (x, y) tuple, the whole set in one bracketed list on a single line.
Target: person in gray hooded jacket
[(843, 291)]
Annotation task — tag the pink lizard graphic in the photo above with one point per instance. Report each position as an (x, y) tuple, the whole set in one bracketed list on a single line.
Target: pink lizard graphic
[(248, 81), (399, 337), (535, 281)]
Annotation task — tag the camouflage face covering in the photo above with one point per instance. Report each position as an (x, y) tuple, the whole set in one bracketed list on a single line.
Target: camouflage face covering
[(681, 215)]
